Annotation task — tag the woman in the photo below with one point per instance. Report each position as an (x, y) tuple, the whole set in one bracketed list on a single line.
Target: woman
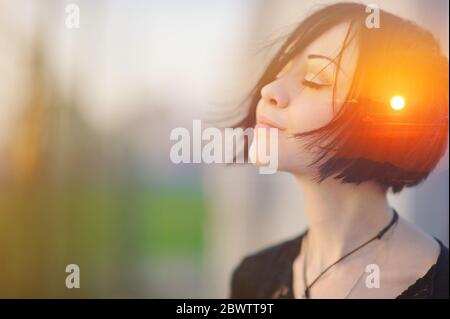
[(359, 111)]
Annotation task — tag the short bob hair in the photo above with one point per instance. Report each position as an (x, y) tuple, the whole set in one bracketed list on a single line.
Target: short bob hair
[(367, 140)]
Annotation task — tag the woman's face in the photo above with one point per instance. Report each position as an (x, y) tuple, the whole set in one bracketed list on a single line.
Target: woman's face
[(300, 98)]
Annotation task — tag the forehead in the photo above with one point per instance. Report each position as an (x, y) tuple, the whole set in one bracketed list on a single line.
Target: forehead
[(330, 43)]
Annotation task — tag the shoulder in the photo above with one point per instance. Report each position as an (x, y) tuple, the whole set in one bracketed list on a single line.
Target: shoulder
[(257, 273), (440, 282), (435, 283), (430, 259), (409, 246)]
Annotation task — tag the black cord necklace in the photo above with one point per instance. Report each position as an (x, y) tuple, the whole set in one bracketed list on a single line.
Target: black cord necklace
[(378, 236)]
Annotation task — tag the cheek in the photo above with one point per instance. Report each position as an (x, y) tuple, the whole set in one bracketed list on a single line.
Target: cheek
[(310, 111)]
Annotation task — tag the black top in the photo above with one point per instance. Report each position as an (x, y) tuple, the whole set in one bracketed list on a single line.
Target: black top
[(268, 274)]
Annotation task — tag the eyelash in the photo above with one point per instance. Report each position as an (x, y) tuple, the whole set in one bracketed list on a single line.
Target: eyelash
[(307, 81), (313, 85)]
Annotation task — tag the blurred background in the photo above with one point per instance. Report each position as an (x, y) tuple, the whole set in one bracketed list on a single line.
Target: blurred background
[(85, 118)]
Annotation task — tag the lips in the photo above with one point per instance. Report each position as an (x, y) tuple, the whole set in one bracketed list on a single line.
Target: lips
[(263, 121)]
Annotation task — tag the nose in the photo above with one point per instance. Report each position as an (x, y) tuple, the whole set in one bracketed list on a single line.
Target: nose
[(274, 94)]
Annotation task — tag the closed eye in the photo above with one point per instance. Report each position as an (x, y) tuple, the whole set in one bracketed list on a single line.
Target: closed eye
[(314, 85), (312, 82)]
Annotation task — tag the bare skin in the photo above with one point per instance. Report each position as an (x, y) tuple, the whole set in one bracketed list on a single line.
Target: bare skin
[(340, 218)]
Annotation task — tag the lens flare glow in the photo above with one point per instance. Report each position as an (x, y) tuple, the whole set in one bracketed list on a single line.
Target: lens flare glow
[(397, 102)]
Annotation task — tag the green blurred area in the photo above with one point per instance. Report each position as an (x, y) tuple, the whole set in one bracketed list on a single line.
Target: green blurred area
[(105, 230), (170, 222)]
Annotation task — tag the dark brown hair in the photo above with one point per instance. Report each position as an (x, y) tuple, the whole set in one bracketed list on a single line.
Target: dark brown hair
[(367, 140)]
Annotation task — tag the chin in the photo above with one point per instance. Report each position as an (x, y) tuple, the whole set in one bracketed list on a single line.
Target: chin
[(292, 157)]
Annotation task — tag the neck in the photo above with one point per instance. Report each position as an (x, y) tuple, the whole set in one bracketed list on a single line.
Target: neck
[(342, 216)]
